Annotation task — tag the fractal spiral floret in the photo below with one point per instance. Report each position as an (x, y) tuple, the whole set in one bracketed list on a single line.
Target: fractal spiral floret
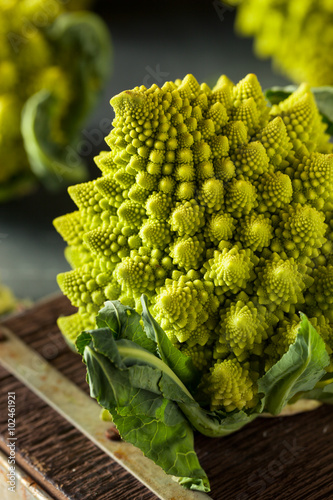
[(297, 34), (218, 208)]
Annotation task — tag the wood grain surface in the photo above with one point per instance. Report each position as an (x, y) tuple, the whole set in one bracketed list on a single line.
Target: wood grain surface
[(284, 458)]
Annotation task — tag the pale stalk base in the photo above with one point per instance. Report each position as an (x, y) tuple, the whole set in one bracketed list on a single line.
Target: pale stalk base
[(300, 406)]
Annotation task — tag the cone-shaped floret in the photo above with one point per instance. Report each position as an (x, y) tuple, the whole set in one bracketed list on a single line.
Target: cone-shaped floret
[(134, 103), (229, 270), (189, 86), (280, 284), (301, 117), (187, 253), (320, 294), (247, 112), (205, 170), (255, 232), (135, 274), (211, 194), (86, 195), (124, 179), (105, 163), (108, 241), (180, 306), (207, 128), (274, 191), (187, 218), (200, 354), (224, 169), (147, 181), (70, 227), (243, 328), (222, 92), (302, 229), (185, 172), (313, 180), (219, 146), (200, 337), (250, 87), (220, 227), (158, 205), (275, 139), (155, 233), (70, 325), (240, 197), (131, 214), (229, 386), (251, 160), (218, 113), (285, 336), (236, 132), (109, 188), (84, 286), (325, 329)]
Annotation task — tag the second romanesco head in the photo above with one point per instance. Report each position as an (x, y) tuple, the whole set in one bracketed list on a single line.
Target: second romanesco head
[(297, 34)]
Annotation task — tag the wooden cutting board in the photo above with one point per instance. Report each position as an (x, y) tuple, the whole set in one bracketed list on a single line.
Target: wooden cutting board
[(273, 458)]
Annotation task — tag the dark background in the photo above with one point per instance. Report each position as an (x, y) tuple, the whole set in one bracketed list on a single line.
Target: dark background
[(152, 42)]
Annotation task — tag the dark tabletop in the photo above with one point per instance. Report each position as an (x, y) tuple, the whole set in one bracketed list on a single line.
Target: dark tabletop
[(282, 458)]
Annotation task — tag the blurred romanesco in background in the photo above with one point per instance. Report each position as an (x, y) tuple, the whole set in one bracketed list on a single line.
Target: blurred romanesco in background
[(219, 209), (7, 300), (297, 34), (9, 303), (67, 54)]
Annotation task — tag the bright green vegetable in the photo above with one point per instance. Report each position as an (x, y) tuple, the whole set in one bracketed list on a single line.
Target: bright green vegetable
[(63, 60), (7, 300), (218, 208), (297, 34)]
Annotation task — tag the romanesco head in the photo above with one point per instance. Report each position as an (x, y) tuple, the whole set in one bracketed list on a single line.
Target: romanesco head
[(296, 34), (218, 208), (31, 60)]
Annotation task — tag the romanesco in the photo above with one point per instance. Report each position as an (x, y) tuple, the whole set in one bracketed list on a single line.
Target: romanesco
[(52, 90), (8, 302), (218, 208), (296, 34)]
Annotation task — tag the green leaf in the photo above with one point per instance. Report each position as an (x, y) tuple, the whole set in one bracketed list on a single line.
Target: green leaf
[(277, 94), (180, 364), (81, 44), (141, 412), (125, 353), (82, 341), (323, 97), (170, 444), (107, 383), (297, 371), (328, 389), (125, 323), (48, 159), (150, 404), (324, 100), (323, 391), (216, 424), (320, 395)]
